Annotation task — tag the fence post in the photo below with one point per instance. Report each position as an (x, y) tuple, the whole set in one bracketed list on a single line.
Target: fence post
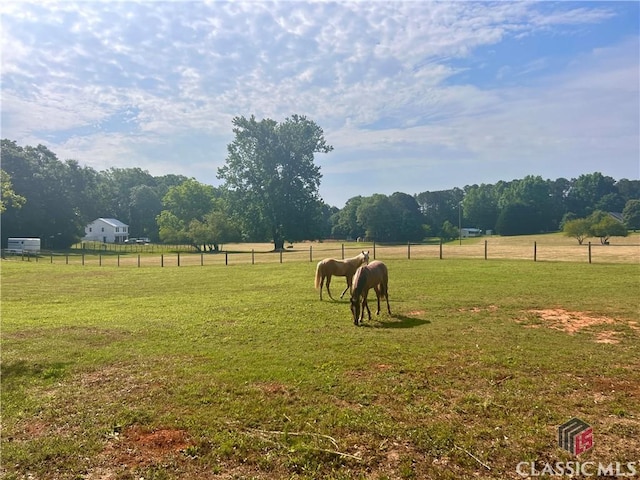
[(201, 259), (226, 257), (440, 249), (253, 258), (66, 258), (138, 260), (280, 255), (589, 252), (374, 249), (118, 259), (162, 259), (51, 257), (343, 251), (178, 258), (82, 258), (485, 249), (310, 253), (535, 251), (100, 260), (408, 250)]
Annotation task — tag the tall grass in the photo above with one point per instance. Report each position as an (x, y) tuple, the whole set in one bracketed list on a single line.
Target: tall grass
[(240, 371)]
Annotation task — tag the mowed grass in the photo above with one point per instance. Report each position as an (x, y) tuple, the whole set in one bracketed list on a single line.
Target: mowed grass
[(241, 371)]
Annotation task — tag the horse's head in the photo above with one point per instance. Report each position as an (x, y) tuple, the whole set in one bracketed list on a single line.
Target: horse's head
[(355, 309), (366, 256)]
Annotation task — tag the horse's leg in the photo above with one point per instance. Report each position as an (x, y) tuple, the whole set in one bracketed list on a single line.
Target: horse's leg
[(349, 280), (321, 285), (386, 295), (328, 282), (377, 289), (365, 303)]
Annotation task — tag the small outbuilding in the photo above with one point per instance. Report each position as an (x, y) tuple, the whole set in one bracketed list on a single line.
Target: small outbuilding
[(470, 232), (106, 230)]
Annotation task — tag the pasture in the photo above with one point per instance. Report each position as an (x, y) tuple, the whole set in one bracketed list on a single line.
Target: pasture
[(240, 371)]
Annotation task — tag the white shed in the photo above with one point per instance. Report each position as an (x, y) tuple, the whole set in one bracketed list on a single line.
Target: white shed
[(106, 230), (23, 245), (471, 232)]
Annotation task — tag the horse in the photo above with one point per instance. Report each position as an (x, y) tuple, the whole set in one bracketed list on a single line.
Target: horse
[(374, 275), (340, 268)]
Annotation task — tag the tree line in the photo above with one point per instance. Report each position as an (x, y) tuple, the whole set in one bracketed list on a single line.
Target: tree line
[(270, 193)]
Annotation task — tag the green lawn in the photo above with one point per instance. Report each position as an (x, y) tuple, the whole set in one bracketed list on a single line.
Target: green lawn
[(240, 371)]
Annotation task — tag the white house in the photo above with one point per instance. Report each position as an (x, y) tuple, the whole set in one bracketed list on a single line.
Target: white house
[(106, 230)]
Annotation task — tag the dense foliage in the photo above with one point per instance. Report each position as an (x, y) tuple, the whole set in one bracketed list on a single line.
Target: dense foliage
[(272, 179), (274, 196)]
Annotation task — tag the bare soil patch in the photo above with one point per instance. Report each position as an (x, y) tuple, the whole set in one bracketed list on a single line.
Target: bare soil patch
[(137, 447), (570, 322)]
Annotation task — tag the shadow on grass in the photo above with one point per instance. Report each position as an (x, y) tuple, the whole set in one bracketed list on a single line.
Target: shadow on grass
[(20, 370), (402, 321)]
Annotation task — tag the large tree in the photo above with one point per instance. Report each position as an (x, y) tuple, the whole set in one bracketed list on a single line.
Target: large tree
[(272, 178), (52, 191), (604, 226)]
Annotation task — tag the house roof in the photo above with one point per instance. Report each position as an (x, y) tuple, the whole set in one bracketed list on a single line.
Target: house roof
[(617, 215), (114, 222)]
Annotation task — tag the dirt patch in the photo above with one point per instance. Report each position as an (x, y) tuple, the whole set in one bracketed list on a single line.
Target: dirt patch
[(570, 322), (274, 388), (31, 430), (135, 448), (383, 366), (608, 336), (139, 447), (159, 442)]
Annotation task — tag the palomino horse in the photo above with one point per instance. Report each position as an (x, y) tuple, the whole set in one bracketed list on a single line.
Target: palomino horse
[(340, 268), (376, 276)]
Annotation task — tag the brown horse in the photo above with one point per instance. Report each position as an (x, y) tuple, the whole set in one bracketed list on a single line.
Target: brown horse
[(376, 276), (340, 268)]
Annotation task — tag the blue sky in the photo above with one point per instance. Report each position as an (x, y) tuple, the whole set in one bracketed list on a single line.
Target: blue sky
[(413, 96)]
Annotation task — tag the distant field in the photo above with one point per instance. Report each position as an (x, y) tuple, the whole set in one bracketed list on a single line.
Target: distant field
[(240, 371), (548, 247)]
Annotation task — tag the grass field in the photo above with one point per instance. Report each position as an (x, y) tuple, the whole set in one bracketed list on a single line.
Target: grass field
[(240, 371)]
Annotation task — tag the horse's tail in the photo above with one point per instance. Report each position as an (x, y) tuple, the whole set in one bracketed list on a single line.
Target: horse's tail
[(384, 287), (318, 274)]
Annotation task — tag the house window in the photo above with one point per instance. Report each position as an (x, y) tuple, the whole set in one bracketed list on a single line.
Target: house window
[(103, 229), (117, 229), (90, 229)]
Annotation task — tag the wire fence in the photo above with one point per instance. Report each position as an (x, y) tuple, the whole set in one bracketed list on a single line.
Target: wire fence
[(170, 256)]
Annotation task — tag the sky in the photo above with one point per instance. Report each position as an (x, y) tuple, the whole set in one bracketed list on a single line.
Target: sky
[(414, 96)]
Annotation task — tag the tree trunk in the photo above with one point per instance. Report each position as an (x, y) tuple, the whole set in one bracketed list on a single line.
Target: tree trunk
[(278, 244)]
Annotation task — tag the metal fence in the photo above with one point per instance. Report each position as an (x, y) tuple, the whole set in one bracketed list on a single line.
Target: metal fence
[(164, 257)]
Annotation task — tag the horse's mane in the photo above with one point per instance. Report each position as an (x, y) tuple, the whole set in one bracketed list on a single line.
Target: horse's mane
[(359, 281)]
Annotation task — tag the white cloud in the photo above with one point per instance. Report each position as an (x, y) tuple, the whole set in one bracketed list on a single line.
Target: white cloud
[(377, 76)]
